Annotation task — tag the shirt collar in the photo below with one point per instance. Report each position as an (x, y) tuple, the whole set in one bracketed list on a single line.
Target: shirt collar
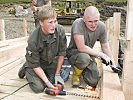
[(47, 38)]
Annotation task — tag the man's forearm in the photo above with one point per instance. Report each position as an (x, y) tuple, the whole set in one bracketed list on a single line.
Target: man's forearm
[(80, 43), (106, 49), (41, 74), (59, 64), (88, 50)]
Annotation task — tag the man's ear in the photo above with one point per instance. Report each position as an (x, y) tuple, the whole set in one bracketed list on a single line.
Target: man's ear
[(83, 18), (40, 22)]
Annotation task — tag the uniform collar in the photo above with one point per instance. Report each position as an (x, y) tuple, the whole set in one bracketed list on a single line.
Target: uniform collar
[(47, 38)]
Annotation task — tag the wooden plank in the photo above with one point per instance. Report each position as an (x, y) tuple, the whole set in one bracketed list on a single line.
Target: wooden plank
[(14, 49), (127, 79), (20, 97), (129, 31), (19, 19), (117, 21), (11, 52), (4, 44), (5, 63), (111, 87), (2, 30), (127, 88), (109, 26), (10, 66), (113, 30), (14, 41), (116, 36), (25, 26)]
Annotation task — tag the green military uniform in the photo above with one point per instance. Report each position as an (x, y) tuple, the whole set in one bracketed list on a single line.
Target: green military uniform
[(42, 51), (83, 60)]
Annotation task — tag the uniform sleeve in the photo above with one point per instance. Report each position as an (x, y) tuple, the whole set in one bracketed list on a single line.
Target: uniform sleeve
[(77, 28), (62, 43), (103, 35), (32, 55)]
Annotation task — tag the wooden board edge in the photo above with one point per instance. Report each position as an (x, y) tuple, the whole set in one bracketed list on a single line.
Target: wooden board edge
[(111, 88)]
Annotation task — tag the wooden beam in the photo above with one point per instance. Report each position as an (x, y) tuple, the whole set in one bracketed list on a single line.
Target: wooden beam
[(113, 30), (11, 65), (11, 52), (25, 26), (3, 44), (109, 26), (111, 88), (2, 29), (13, 41), (129, 20), (19, 19), (127, 79), (116, 36)]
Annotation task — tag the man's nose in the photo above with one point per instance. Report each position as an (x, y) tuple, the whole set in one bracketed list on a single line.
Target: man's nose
[(54, 24), (93, 23)]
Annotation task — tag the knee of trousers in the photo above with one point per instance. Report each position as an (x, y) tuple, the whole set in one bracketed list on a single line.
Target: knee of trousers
[(35, 83), (83, 60), (37, 88)]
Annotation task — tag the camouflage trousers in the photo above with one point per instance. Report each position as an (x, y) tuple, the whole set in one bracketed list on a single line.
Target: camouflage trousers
[(86, 63), (36, 84)]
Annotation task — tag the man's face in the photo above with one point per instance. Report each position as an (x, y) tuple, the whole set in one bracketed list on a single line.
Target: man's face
[(49, 25), (91, 22)]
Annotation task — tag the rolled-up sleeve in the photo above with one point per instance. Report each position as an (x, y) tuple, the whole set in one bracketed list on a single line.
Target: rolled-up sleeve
[(32, 55)]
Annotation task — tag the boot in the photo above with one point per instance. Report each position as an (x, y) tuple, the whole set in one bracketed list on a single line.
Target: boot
[(76, 77), (21, 72)]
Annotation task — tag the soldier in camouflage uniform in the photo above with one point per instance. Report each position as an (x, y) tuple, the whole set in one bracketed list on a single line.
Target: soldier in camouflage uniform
[(84, 33), (45, 52)]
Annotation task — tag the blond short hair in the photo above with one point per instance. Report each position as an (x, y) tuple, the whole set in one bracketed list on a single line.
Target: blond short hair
[(91, 11), (46, 12)]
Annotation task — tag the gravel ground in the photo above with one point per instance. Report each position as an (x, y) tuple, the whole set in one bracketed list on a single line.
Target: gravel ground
[(14, 25), (14, 28)]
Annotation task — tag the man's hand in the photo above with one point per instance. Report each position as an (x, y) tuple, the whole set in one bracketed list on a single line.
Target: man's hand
[(105, 59), (58, 79), (117, 69), (50, 85), (34, 2), (34, 9)]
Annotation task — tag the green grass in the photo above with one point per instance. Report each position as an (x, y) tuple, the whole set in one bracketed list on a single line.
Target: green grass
[(116, 0), (14, 1)]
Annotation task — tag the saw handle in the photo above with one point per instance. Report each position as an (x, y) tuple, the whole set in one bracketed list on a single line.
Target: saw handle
[(59, 86), (55, 92), (115, 69)]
